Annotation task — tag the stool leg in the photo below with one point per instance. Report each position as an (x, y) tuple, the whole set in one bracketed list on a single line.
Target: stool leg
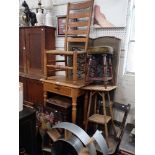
[(105, 70), (85, 107), (95, 104), (111, 71), (88, 113), (95, 108), (105, 114), (111, 114)]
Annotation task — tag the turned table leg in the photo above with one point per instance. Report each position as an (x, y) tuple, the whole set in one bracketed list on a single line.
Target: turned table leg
[(74, 103)]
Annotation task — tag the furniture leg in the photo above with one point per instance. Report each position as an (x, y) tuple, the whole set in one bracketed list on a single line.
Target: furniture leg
[(89, 105), (74, 103), (85, 107), (75, 66), (111, 113), (105, 114)]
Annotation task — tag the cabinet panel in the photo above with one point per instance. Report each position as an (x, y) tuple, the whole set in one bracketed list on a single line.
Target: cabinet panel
[(33, 90), (35, 50), (22, 54)]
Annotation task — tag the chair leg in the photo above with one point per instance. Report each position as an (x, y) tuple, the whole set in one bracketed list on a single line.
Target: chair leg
[(88, 113), (75, 66)]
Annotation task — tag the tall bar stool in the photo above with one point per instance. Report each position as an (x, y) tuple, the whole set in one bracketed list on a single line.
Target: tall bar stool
[(103, 119)]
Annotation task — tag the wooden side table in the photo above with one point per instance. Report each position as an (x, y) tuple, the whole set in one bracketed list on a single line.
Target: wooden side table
[(126, 147), (59, 85)]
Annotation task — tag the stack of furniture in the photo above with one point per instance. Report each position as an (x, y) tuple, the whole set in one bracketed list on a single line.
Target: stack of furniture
[(77, 32), (101, 87), (33, 41)]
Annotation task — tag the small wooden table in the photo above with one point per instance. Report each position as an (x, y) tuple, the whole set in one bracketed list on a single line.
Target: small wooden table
[(59, 85), (95, 90)]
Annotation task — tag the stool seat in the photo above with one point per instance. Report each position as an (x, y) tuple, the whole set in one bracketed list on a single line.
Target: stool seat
[(98, 118), (100, 50)]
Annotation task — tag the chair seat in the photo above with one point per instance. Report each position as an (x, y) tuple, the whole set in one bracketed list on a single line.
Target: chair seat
[(63, 52), (97, 118)]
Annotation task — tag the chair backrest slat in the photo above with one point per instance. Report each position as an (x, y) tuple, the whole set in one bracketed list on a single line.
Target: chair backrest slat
[(78, 22), (76, 39), (79, 15), (82, 5), (77, 32)]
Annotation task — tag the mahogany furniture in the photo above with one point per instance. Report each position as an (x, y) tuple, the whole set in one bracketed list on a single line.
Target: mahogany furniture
[(59, 85), (33, 41), (78, 22)]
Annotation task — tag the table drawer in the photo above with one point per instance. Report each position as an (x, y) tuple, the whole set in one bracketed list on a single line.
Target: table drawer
[(62, 90)]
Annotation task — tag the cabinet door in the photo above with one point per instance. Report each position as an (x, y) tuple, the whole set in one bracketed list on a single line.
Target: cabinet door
[(34, 91), (35, 45), (22, 48)]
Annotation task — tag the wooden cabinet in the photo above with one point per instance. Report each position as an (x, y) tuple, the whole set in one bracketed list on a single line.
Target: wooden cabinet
[(33, 41), (33, 90)]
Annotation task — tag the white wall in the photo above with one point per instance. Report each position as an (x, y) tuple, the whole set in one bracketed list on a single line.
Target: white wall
[(125, 92)]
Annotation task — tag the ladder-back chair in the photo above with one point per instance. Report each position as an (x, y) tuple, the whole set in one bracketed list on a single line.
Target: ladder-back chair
[(77, 32)]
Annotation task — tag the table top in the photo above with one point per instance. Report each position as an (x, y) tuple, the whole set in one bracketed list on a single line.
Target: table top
[(26, 112), (125, 144), (61, 80), (99, 87)]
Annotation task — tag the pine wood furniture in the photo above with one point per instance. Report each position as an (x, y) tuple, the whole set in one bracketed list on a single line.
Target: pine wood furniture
[(96, 117), (77, 31), (33, 41), (59, 85)]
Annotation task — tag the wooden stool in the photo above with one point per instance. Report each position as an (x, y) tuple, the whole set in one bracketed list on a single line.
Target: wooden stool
[(99, 65), (103, 119)]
